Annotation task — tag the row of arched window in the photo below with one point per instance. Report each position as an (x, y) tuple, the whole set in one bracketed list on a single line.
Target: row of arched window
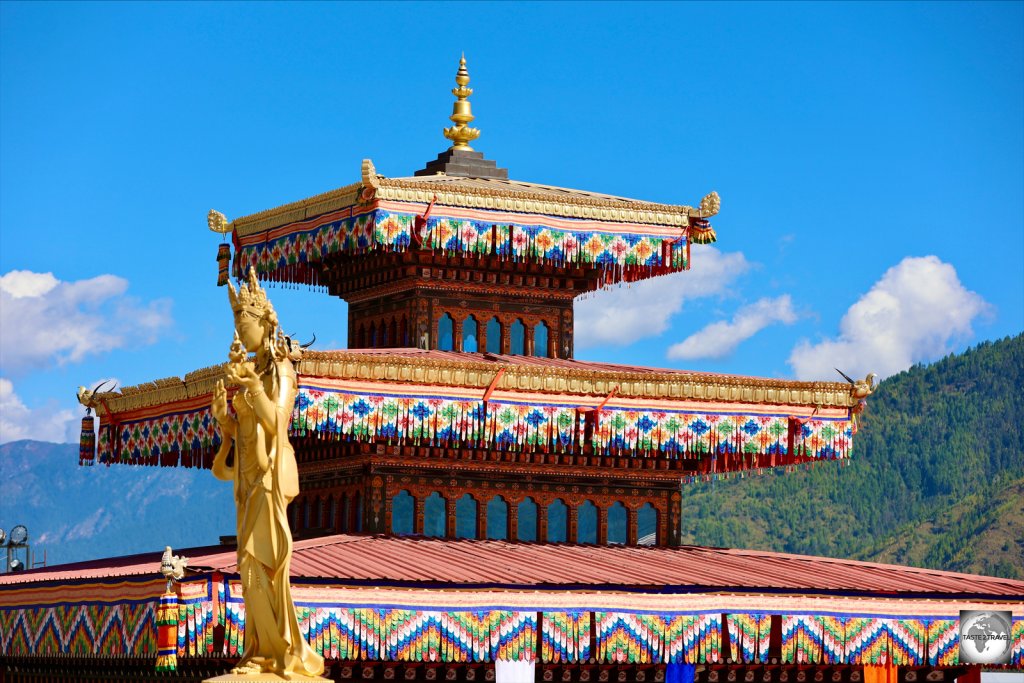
[(383, 334), (334, 514), (527, 527), (522, 341)]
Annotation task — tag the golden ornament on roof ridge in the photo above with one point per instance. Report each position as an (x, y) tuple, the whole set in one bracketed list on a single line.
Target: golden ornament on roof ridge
[(462, 113)]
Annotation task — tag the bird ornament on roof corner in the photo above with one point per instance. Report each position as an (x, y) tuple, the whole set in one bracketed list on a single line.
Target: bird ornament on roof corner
[(88, 398), (860, 390)]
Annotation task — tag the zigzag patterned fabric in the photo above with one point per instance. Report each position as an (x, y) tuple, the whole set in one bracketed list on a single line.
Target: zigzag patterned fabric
[(626, 252), (647, 638), (128, 629), (801, 639), (944, 641), (565, 636), (395, 634), (749, 635), (419, 635)]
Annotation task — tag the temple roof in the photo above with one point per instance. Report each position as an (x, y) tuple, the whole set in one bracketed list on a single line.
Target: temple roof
[(392, 561), (479, 193)]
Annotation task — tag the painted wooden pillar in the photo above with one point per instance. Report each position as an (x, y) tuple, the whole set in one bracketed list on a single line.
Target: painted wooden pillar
[(387, 516), (602, 525), (542, 522), (512, 518), (481, 336), (417, 515), (449, 506), (570, 526), (632, 526), (456, 334), (481, 519)]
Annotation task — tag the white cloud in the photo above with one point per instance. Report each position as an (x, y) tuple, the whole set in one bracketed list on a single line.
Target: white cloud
[(624, 314), (912, 314), (719, 339), (48, 423), (43, 319)]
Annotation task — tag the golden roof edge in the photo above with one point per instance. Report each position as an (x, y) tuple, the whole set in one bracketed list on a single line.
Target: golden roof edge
[(373, 185), (479, 374)]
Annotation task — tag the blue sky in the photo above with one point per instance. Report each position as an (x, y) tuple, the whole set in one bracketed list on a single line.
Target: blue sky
[(870, 159)]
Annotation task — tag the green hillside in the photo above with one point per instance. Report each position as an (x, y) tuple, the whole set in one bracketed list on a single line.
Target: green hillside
[(937, 477)]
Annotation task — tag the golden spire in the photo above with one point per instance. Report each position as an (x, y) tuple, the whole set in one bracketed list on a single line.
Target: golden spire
[(461, 134)]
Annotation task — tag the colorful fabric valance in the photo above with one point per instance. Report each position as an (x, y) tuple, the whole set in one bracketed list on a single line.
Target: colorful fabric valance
[(443, 415), (627, 251), (410, 634), (724, 437)]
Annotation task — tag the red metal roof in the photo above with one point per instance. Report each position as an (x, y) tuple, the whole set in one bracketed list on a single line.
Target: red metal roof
[(410, 560)]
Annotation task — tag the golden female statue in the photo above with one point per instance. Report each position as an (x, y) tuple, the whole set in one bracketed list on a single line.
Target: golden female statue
[(266, 480)]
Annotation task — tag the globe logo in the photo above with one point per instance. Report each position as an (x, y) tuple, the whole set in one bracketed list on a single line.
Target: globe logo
[(984, 637)]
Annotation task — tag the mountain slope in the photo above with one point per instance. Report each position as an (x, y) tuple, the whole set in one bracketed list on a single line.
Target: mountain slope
[(79, 513), (933, 482)]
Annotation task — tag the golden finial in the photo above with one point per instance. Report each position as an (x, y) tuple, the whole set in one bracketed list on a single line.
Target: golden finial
[(460, 133)]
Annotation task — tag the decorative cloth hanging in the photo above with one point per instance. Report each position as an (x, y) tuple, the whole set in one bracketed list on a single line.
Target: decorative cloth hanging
[(167, 632), (223, 263), (87, 442)]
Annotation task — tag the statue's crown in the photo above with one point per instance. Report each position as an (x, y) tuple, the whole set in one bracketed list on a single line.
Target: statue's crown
[(249, 296)]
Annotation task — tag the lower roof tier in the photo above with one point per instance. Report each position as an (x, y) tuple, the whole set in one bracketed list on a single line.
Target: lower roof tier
[(384, 599), (507, 403)]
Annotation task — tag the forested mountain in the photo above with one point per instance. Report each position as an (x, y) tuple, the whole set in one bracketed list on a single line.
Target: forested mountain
[(936, 479)]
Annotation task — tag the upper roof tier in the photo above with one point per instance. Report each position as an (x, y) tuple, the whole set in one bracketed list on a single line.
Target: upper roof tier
[(474, 217), (462, 204)]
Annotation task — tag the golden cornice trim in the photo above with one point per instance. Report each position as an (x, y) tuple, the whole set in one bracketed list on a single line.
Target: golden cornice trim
[(297, 211), (540, 379), (575, 381), (162, 391), (520, 201)]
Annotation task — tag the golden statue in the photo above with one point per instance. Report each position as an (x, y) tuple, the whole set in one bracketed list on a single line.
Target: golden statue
[(266, 480)]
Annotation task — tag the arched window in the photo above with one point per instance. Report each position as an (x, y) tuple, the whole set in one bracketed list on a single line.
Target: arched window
[(527, 522), (393, 333), (465, 517), (360, 337), (405, 332), (540, 340), (497, 518), (586, 523), (401, 513), (617, 522), (434, 515), (493, 336), (373, 335), (469, 332), (306, 513), (558, 513), (518, 342), (383, 334), (357, 510), (647, 525), (445, 328)]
